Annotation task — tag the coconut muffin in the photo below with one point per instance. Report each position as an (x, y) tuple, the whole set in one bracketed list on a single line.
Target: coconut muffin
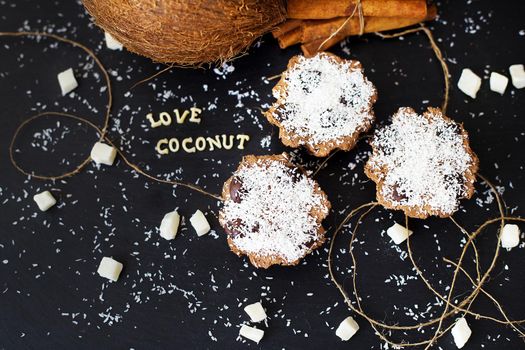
[(272, 211), (422, 164), (323, 103)]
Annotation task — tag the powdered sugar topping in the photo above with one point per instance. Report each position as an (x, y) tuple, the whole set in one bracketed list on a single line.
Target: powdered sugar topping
[(275, 209), (324, 100), (422, 161)]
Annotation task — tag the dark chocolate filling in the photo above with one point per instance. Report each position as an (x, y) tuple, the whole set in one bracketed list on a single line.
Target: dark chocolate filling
[(396, 195), (232, 228), (235, 190)]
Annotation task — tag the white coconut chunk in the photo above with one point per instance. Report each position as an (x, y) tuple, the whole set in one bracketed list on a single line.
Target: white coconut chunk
[(256, 312), (469, 83), (252, 333), (199, 223), (169, 225), (498, 82), (109, 268), (510, 236), (102, 153), (112, 43), (347, 328), (44, 200), (67, 81), (461, 332), (398, 233), (517, 73)]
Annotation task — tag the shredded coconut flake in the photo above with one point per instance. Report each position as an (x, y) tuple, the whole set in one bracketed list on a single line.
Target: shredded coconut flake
[(279, 205), (422, 161), (324, 100)]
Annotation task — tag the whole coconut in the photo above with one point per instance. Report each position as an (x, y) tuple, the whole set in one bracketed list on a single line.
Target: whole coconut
[(187, 32)]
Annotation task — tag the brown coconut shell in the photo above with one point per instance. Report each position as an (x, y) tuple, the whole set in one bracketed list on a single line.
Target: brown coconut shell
[(187, 32)]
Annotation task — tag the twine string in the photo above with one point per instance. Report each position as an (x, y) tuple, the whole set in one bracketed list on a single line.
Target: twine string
[(107, 113), (450, 309), (357, 9), (153, 76), (437, 53), (101, 131), (462, 255), (493, 299)]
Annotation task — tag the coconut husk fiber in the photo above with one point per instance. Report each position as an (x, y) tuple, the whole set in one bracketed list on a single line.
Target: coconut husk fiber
[(187, 33)]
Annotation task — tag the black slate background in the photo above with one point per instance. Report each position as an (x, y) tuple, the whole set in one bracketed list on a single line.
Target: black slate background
[(189, 293)]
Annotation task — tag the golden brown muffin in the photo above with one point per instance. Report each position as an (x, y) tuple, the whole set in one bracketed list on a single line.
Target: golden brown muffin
[(273, 211), (323, 103), (422, 164)]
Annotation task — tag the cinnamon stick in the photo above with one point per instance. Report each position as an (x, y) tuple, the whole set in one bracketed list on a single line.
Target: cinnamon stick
[(315, 34), (313, 30), (290, 38), (285, 27), (326, 9)]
